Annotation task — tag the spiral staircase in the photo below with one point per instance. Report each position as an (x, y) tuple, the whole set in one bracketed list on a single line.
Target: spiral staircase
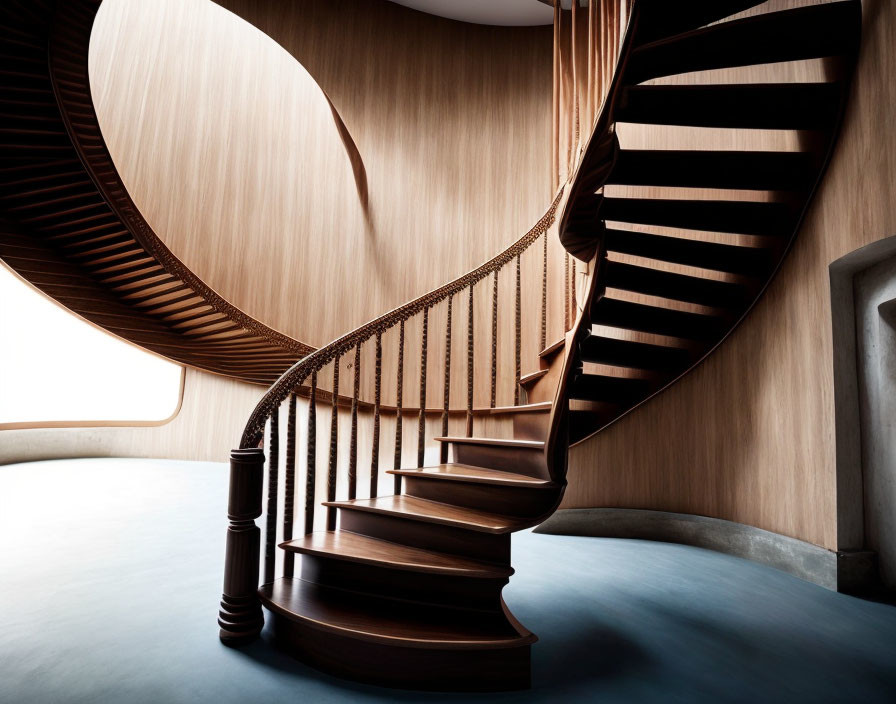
[(405, 589)]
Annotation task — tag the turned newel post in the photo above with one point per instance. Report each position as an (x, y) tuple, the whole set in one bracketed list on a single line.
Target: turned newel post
[(240, 617)]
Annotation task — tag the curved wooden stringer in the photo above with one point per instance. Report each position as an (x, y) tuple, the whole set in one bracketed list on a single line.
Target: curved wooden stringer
[(406, 591), (68, 226)]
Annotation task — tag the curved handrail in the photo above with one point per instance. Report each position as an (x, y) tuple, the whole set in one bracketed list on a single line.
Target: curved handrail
[(293, 377)]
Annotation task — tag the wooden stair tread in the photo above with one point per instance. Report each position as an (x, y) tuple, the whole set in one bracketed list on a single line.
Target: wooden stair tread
[(354, 547), (416, 509), (552, 348), (679, 287), (636, 355), (793, 106), (661, 18), (748, 261), (658, 321), (737, 217), (471, 473), (387, 621), (541, 407), (500, 442), (532, 376), (612, 389), (816, 31), (745, 170)]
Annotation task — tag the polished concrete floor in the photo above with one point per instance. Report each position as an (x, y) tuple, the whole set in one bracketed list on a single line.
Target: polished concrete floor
[(110, 575)]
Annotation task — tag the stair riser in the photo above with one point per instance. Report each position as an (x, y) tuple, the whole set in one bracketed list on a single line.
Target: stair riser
[(509, 459), (433, 669), (508, 500), (531, 426), (437, 589), (429, 536)]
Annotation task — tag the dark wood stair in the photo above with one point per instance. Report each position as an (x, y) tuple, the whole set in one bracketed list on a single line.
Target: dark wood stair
[(638, 245), (405, 590)]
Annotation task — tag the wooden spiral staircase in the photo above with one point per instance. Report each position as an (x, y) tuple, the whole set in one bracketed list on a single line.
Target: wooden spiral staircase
[(405, 589)]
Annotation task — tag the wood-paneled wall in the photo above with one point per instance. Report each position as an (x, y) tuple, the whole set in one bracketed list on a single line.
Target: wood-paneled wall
[(749, 435), (231, 151)]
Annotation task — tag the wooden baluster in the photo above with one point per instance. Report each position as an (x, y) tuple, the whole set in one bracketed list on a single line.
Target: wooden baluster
[(270, 542), (289, 486), (566, 293), (544, 289), (470, 366), (421, 417), (240, 617), (334, 444), (353, 446), (399, 392), (375, 451), (518, 332), (494, 387), (572, 294), (446, 399), (310, 472)]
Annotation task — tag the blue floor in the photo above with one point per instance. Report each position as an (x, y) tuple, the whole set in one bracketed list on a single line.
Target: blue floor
[(110, 576)]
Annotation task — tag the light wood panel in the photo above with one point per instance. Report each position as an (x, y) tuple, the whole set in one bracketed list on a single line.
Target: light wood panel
[(749, 435), (221, 137)]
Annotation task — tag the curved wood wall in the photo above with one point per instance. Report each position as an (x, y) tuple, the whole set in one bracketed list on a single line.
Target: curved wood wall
[(231, 152), (748, 436)]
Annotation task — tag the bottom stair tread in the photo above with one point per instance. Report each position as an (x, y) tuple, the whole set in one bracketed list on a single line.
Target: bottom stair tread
[(353, 547), (389, 621)]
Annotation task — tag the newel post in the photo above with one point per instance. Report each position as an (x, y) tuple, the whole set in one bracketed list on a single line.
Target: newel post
[(240, 617)]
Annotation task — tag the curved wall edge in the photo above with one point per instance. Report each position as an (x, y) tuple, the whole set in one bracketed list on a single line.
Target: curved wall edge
[(844, 571)]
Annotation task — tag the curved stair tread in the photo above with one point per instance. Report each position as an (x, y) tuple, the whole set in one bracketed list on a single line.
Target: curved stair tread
[(783, 106), (414, 509), (477, 475), (354, 547), (815, 31), (389, 621), (532, 376), (540, 407), (497, 442)]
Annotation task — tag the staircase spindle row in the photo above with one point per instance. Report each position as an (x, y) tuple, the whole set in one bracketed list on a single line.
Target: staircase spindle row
[(303, 387)]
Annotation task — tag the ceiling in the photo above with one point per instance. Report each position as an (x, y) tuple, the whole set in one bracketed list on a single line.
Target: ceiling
[(502, 12)]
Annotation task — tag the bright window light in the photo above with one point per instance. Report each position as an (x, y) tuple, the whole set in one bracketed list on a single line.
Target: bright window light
[(57, 369)]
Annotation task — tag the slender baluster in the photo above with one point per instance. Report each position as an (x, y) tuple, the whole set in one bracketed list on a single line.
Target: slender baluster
[(446, 402), (375, 451), (421, 417), (572, 295), (470, 366), (289, 486), (334, 443), (273, 483), (353, 446), (544, 290), (399, 393), (310, 479), (566, 293), (494, 389), (518, 325)]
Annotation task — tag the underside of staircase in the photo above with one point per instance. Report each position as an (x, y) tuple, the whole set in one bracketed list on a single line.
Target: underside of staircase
[(68, 226)]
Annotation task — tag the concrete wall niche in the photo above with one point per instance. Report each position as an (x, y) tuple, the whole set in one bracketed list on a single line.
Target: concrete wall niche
[(875, 304)]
